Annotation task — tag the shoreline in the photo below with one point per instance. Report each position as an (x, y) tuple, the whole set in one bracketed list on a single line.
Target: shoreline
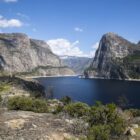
[(32, 77), (100, 78), (136, 80)]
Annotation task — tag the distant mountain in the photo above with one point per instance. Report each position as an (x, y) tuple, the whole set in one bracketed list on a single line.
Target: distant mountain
[(115, 58), (21, 55), (77, 64)]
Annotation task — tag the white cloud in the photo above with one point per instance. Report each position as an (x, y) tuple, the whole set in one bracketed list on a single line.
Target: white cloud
[(77, 29), (6, 23), (64, 47), (10, 1)]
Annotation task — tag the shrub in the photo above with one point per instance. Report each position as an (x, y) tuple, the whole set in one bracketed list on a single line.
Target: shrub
[(99, 132), (135, 112), (78, 126), (39, 105), (102, 114), (123, 102), (66, 100), (107, 115), (4, 87), (27, 104), (58, 109), (77, 109)]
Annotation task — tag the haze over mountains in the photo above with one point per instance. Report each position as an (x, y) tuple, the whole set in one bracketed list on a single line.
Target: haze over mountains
[(77, 64)]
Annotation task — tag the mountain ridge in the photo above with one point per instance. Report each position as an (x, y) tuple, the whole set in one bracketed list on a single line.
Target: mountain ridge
[(77, 64), (115, 58), (21, 54)]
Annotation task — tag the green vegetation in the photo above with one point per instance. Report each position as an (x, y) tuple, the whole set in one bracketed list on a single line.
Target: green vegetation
[(27, 104), (4, 87), (77, 109), (133, 58), (132, 64), (35, 71), (107, 117), (99, 132), (135, 112), (123, 102), (66, 100), (104, 120), (134, 75)]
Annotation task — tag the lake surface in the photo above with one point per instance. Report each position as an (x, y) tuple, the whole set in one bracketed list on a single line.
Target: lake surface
[(91, 90)]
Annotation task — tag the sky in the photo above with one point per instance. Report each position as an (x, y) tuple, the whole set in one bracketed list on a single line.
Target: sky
[(71, 27)]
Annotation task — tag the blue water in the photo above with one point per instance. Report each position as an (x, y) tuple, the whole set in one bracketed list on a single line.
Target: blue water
[(91, 90)]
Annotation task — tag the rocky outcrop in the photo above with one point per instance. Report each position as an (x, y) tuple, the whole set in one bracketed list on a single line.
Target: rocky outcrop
[(115, 58), (14, 86), (24, 125), (20, 54)]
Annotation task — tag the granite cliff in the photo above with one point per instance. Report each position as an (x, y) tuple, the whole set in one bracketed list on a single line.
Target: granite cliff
[(115, 58), (24, 56)]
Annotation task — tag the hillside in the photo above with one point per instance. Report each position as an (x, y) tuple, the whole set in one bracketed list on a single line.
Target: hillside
[(115, 58), (25, 56), (77, 64)]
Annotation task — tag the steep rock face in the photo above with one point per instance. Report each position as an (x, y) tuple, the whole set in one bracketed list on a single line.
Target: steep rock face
[(20, 54), (115, 58)]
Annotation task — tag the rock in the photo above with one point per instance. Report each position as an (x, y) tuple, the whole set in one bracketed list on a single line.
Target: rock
[(15, 123), (131, 139), (115, 58), (134, 125), (21, 55), (69, 121), (130, 131), (21, 139), (35, 126), (67, 136)]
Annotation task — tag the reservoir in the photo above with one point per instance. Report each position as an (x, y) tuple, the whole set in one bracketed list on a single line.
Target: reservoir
[(91, 90)]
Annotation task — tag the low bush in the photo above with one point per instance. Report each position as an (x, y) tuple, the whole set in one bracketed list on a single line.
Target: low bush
[(66, 100), (58, 109), (135, 112), (77, 109), (99, 132), (4, 87), (27, 104), (107, 115)]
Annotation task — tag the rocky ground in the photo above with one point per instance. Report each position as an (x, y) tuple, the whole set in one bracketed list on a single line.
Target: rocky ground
[(23, 125)]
